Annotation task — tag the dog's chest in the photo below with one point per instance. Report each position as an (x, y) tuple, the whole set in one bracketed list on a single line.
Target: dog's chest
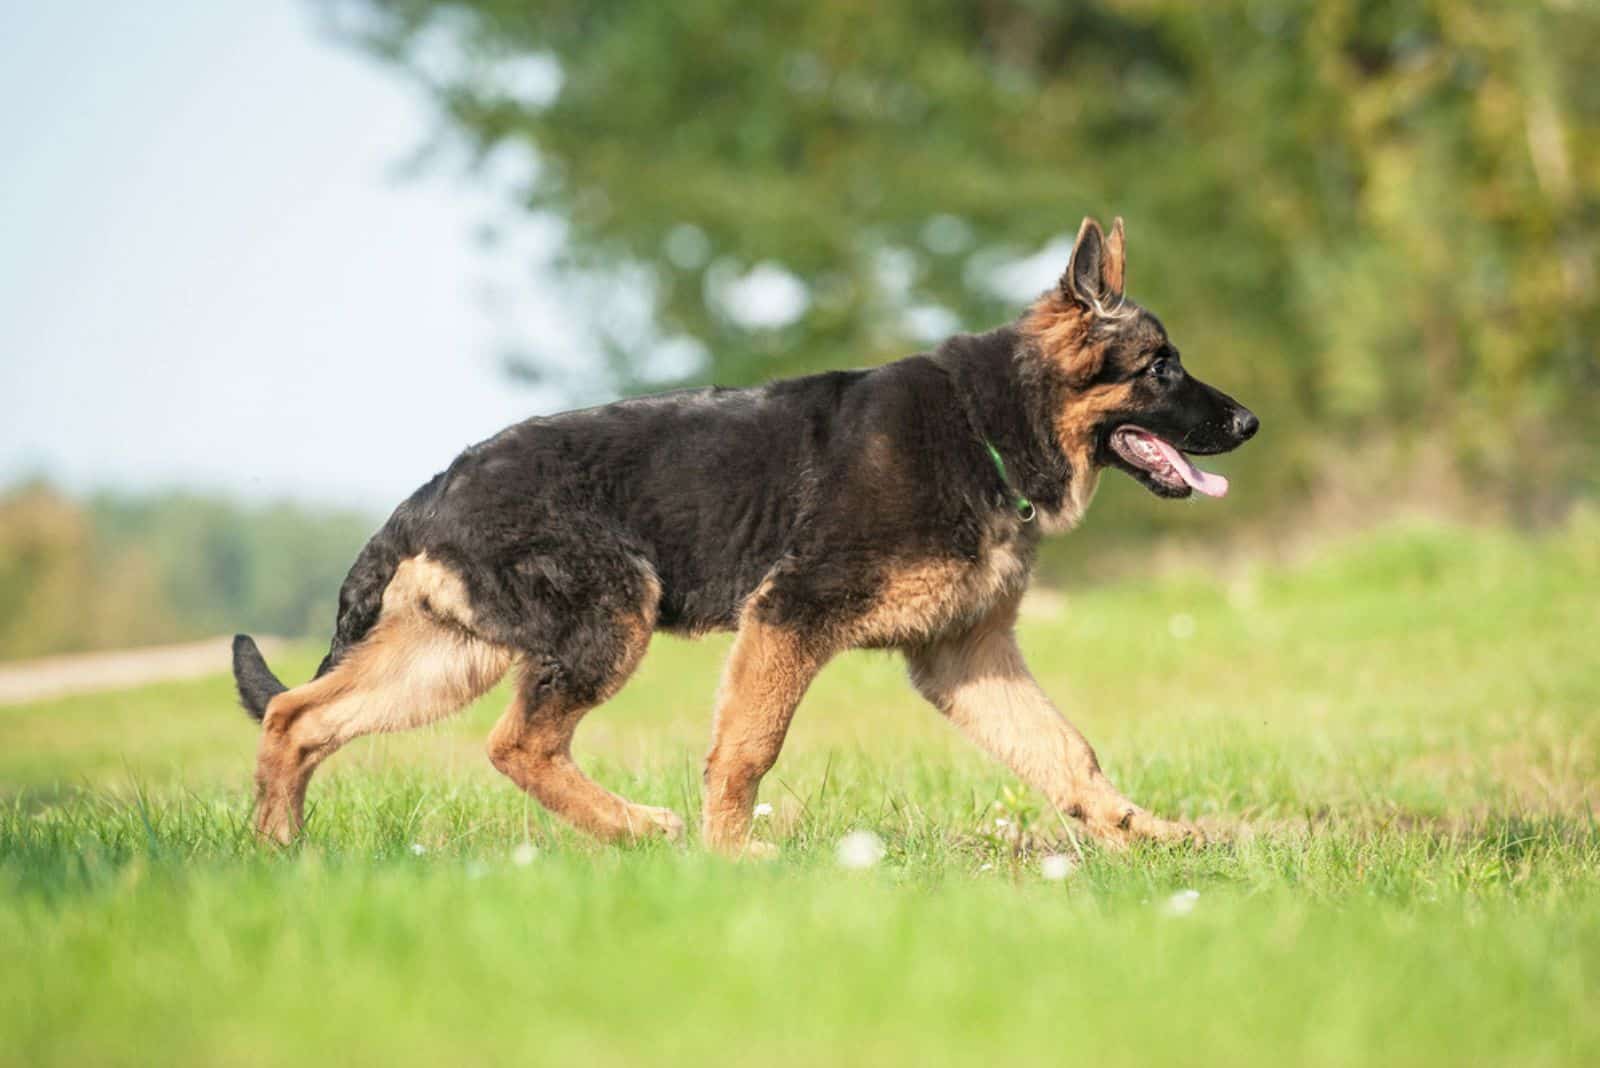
[(920, 600)]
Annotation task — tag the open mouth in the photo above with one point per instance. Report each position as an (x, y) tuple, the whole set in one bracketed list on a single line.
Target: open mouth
[(1162, 466)]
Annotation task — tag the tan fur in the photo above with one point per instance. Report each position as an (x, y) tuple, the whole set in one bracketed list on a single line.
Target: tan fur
[(1085, 482), (770, 668), (420, 663), (921, 599), (1075, 432), (1114, 262), (767, 673), (1058, 329), (1075, 423), (638, 625), (979, 681), (532, 746), (432, 588)]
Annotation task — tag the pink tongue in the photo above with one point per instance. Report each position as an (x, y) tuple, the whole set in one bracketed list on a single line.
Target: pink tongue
[(1203, 481)]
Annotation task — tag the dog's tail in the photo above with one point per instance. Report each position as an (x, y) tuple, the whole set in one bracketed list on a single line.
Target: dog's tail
[(256, 682)]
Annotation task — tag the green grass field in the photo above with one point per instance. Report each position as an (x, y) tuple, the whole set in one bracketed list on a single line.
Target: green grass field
[(1396, 744)]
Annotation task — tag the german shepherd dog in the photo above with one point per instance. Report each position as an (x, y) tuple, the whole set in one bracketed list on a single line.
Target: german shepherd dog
[(892, 508)]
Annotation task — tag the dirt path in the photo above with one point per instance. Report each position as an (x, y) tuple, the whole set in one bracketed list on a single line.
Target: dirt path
[(61, 676)]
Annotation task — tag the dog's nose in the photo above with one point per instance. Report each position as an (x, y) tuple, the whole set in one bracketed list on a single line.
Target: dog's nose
[(1245, 424)]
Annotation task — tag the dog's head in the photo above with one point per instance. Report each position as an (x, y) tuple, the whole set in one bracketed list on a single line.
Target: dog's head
[(1126, 399)]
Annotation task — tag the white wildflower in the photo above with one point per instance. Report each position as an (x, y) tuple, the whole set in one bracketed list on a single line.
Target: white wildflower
[(763, 809), (1000, 821), (523, 855), (417, 849), (1181, 626), (860, 849), (1056, 867), (1182, 903)]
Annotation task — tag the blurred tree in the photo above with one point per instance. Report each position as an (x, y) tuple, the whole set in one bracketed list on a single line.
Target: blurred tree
[(124, 570), (55, 595), (1375, 220), (225, 568), (43, 569)]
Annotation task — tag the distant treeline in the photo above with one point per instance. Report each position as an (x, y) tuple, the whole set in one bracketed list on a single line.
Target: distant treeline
[(114, 570)]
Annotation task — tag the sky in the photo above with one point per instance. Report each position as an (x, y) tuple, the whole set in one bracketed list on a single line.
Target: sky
[(213, 274)]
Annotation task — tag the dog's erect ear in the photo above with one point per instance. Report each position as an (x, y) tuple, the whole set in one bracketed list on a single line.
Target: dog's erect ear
[(1114, 265), (1082, 280), (1097, 268)]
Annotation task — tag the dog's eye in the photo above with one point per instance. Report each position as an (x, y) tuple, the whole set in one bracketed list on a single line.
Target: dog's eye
[(1159, 367)]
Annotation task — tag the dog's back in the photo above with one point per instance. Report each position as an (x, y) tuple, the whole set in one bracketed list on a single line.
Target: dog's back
[(707, 486)]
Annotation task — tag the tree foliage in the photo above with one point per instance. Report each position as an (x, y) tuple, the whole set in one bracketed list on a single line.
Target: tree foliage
[(120, 570), (1376, 221)]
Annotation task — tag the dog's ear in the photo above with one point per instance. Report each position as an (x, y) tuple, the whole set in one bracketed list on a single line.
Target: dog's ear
[(1114, 265), (1084, 278), (1098, 267)]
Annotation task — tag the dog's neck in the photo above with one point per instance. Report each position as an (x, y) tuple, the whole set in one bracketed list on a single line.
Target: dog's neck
[(1011, 395)]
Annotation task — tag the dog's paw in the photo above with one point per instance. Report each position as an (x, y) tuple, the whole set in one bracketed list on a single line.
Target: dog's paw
[(1130, 823), (647, 821), (276, 827)]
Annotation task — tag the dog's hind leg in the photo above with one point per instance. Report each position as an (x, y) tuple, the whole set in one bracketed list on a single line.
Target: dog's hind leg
[(420, 662), (979, 681), (532, 743)]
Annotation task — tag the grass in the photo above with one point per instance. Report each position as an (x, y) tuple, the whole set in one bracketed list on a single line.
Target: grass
[(1396, 743)]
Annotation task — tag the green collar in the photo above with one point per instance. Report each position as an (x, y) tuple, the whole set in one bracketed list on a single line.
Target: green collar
[(1025, 507)]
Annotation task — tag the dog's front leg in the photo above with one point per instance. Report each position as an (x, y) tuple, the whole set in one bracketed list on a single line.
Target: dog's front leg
[(766, 675), (979, 680)]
